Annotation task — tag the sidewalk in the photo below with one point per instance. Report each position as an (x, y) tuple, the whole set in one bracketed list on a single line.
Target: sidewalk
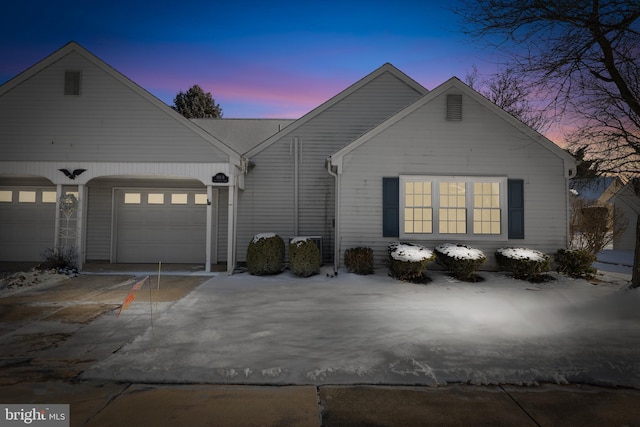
[(125, 404)]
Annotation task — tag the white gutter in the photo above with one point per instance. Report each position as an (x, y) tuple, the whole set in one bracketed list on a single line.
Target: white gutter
[(336, 237)]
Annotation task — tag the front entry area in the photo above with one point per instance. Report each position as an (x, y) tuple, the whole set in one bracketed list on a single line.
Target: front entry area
[(160, 225)]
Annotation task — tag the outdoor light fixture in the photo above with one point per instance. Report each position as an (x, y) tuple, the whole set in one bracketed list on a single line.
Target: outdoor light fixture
[(72, 175)]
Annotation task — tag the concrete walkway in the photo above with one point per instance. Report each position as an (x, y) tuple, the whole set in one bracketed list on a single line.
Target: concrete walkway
[(118, 404)]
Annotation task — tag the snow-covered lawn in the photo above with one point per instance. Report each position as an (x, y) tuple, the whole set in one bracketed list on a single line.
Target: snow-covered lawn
[(374, 329)]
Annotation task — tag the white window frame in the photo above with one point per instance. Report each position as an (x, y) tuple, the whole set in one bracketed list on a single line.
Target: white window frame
[(469, 198)]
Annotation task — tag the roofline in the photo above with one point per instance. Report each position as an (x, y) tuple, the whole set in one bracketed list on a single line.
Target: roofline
[(387, 67), (73, 46), (336, 158)]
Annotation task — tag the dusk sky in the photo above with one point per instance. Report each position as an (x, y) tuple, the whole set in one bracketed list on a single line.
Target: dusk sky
[(258, 59)]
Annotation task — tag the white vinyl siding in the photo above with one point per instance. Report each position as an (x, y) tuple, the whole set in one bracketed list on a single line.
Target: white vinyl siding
[(267, 204), (108, 122), (424, 143)]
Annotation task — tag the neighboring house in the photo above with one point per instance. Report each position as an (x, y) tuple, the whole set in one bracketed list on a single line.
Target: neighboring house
[(382, 161), (626, 202)]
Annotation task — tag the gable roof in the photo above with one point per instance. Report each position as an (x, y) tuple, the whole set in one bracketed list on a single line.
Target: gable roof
[(593, 189), (337, 98), (103, 66), (454, 82), (243, 134)]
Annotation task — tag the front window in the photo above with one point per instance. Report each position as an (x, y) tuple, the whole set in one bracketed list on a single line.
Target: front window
[(435, 207)]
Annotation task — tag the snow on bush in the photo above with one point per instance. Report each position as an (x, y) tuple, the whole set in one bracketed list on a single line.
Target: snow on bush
[(265, 254), (261, 236), (409, 261), (527, 264), (461, 260), (304, 257)]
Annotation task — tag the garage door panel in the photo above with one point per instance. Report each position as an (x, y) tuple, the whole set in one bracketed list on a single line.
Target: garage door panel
[(160, 232), (27, 229)]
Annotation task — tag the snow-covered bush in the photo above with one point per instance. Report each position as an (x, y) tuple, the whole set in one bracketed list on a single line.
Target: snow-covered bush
[(409, 261), (461, 260), (359, 260), (304, 257), (265, 254), (576, 263), (527, 264)]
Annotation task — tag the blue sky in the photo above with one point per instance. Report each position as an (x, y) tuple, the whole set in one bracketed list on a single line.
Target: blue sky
[(258, 59)]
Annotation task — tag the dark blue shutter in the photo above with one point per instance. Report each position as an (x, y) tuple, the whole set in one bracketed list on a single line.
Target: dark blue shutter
[(516, 208), (390, 207)]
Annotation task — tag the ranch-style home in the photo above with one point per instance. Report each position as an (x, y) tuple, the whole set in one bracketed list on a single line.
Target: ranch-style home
[(90, 160)]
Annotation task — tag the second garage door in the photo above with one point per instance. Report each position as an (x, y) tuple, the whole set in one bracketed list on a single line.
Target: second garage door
[(155, 225)]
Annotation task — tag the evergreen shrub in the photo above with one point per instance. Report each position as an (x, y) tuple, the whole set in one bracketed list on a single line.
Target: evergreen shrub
[(576, 263), (265, 254), (526, 264), (304, 257), (408, 261), (461, 260), (359, 260)]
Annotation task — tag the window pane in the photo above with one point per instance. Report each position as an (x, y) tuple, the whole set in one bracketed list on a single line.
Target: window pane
[(27, 196), (131, 198), (48, 197), (486, 214), (155, 198), (201, 199), (6, 196), (179, 199)]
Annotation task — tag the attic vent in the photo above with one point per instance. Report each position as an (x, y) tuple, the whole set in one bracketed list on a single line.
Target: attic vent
[(454, 108), (72, 82)]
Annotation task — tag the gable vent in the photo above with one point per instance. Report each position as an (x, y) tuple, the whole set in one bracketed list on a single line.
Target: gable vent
[(454, 108), (72, 82)]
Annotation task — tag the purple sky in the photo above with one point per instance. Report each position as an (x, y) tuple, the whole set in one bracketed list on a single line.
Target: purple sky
[(258, 59)]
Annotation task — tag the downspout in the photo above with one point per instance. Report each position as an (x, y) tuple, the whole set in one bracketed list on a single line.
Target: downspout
[(336, 232), (296, 176)]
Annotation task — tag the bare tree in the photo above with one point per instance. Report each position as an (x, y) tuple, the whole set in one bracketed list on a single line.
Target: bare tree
[(586, 56), (509, 91)]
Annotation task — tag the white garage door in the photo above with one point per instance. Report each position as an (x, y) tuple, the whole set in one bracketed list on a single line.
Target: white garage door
[(154, 225), (27, 222)]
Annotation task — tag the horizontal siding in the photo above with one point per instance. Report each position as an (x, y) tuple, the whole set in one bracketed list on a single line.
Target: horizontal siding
[(98, 239), (424, 143), (107, 122), (267, 204)]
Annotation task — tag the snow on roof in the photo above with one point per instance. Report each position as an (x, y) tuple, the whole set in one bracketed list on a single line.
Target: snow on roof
[(460, 251), (409, 252), (522, 253)]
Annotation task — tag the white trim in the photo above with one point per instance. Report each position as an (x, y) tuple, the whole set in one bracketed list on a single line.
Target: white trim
[(469, 206)]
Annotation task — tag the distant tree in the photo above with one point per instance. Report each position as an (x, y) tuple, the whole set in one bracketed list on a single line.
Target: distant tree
[(509, 91), (196, 104), (585, 168)]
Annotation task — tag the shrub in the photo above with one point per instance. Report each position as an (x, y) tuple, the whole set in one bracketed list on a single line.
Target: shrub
[(526, 264), (359, 260), (576, 263), (304, 257), (409, 261), (265, 254), (63, 260), (461, 260)]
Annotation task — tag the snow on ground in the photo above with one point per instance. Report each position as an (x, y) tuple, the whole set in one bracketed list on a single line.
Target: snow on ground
[(374, 329)]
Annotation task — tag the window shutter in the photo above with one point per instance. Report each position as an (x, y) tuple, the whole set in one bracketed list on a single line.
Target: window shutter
[(516, 208), (390, 207)]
